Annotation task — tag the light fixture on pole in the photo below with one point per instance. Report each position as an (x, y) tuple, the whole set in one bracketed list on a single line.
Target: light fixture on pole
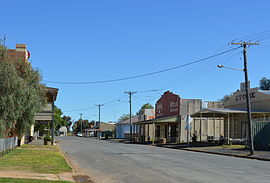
[(247, 102)]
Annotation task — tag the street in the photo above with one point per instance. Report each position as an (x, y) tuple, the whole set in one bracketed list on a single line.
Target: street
[(113, 162)]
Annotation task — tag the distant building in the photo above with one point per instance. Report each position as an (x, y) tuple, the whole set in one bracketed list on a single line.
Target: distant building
[(123, 127), (100, 130), (63, 131)]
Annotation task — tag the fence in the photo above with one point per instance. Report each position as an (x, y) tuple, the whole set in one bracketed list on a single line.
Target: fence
[(8, 144), (261, 134)]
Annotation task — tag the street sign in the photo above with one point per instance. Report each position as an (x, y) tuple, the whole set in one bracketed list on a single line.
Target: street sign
[(188, 121)]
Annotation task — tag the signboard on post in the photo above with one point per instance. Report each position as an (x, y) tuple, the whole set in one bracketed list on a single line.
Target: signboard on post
[(188, 121)]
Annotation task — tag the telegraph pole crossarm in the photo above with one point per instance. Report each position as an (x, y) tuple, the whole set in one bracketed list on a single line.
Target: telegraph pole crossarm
[(250, 135)]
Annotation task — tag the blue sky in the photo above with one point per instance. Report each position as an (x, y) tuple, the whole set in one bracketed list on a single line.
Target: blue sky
[(87, 40)]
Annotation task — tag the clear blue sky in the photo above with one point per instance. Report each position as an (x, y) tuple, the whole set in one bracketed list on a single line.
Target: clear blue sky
[(87, 40)]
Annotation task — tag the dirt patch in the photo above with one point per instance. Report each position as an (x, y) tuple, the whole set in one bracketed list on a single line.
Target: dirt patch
[(82, 178)]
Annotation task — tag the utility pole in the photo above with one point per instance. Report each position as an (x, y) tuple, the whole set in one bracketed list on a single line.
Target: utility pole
[(250, 135), (81, 120), (52, 130), (99, 105), (130, 93)]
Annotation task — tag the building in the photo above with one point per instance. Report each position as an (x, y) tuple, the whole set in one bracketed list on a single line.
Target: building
[(234, 115), (100, 130), (169, 124), (46, 115), (63, 131), (20, 52), (123, 127)]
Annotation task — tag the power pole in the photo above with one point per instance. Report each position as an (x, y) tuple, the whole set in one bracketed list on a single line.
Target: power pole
[(81, 120), (99, 114), (130, 93), (250, 135), (52, 130)]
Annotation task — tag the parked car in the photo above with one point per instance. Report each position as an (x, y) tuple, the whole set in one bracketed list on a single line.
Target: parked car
[(79, 134)]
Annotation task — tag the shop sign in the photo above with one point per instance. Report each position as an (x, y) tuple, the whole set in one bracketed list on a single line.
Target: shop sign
[(168, 105), (243, 96)]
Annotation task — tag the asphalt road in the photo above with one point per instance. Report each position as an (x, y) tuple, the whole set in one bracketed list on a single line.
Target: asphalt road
[(110, 162)]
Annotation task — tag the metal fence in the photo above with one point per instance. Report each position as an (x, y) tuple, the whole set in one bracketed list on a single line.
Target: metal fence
[(8, 144), (261, 134)]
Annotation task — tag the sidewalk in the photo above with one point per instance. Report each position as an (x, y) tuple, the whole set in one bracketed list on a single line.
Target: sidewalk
[(219, 150)]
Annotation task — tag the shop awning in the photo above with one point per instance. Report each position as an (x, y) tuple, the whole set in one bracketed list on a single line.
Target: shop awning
[(221, 112), (169, 119)]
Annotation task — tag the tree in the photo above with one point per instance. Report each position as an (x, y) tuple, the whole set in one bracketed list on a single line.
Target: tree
[(80, 125), (226, 98), (265, 84), (21, 94), (145, 106), (68, 122), (58, 120), (124, 117)]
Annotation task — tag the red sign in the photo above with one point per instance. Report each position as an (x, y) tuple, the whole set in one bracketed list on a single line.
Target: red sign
[(168, 105)]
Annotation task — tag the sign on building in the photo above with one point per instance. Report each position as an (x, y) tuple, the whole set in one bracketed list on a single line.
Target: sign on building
[(168, 105)]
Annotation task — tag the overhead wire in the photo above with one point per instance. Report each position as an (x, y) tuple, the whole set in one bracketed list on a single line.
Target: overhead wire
[(146, 74), (204, 72)]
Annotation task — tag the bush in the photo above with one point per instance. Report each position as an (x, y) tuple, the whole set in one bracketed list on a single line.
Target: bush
[(47, 138)]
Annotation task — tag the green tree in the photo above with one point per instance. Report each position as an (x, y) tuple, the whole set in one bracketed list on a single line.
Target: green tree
[(124, 117), (68, 122), (80, 125), (226, 98), (58, 120), (21, 94), (265, 84), (147, 106)]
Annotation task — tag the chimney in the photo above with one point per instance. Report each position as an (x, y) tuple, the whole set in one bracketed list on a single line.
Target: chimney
[(20, 47)]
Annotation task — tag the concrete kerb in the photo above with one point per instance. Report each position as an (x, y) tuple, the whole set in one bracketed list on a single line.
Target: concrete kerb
[(225, 154), (208, 152)]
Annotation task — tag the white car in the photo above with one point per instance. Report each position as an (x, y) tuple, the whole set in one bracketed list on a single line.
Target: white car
[(79, 135)]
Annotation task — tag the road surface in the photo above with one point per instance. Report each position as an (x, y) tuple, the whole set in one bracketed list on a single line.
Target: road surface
[(111, 162)]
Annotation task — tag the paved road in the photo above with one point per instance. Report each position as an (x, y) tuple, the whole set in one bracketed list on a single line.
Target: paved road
[(111, 162)]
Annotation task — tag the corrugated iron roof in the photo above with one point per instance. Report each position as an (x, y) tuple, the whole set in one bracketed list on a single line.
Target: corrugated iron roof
[(127, 121), (219, 112)]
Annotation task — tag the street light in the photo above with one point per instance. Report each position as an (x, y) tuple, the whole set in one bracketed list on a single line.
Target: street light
[(247, 101), (222, 66)]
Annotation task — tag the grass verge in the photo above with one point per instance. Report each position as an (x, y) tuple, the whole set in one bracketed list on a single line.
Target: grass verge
[(35, 159), (11, 180)]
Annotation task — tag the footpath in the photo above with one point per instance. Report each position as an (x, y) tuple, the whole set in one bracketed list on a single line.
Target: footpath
[(233, 150), (39, 163)]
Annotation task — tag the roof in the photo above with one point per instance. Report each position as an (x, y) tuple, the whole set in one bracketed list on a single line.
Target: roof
[(53, 92), (167, 119), (127, 121), (267, 92), (221, 112)]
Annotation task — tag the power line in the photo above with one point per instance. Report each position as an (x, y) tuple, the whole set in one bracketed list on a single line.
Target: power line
[(143, 75), (253, 36)]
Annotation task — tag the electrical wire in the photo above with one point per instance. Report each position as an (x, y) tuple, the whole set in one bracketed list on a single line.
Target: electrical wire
[(147, 74)]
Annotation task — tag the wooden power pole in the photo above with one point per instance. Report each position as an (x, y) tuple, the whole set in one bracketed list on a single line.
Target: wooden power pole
[(250, 135)]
